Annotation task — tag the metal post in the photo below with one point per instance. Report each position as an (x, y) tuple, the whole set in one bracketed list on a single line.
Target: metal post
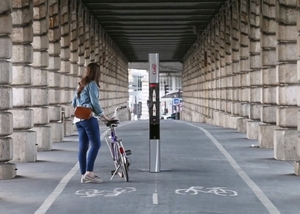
[(154, 113)]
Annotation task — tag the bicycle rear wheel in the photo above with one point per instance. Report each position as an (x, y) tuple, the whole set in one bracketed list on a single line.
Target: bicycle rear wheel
[(123, 162)]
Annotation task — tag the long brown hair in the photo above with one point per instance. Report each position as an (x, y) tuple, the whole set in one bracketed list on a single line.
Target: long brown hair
[(92, 73)]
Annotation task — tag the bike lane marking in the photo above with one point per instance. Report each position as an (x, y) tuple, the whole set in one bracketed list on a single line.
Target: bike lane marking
[(88, 193), (194, 190), (256, 190)]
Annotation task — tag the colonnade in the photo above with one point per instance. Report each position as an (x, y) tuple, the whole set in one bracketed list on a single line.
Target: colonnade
[(45, 46), (243, 73)]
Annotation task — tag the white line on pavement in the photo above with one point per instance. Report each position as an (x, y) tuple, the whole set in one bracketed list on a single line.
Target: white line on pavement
[(60, 187), (155, 198), (256, 190), (155, 194), (57, 191)]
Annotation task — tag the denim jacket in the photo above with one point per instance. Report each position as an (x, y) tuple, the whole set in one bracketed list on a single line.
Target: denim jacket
[(89, 97)]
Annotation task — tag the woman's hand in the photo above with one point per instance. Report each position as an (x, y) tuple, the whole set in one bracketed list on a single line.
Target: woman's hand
[(106, 118)]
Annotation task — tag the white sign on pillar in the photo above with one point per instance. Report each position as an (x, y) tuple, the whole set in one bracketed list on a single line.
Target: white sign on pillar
[(153, 68), (154, 121)]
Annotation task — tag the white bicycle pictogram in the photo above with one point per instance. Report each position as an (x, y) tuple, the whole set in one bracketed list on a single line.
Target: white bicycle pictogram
[(88, 193), (194, 190)]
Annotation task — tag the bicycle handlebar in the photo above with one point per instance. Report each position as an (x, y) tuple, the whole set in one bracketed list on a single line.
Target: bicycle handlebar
[(118, 108)]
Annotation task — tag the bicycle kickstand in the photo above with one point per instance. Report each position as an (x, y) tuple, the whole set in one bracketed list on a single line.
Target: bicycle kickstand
[(115, 172)]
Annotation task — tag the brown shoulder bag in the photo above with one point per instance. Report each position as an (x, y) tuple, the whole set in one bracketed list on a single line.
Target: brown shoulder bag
[(83, 112)]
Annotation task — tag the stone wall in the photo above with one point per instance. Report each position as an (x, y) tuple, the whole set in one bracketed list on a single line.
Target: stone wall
[(7, 169), (45, 48), (243, 73)]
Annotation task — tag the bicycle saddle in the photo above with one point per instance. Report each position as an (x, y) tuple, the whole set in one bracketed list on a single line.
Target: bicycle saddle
[(109, 123)]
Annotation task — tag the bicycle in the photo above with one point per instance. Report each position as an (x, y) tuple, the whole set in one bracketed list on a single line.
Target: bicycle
[(116, 148)]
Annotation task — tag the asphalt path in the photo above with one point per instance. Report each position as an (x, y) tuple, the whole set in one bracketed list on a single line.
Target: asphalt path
[(204, 169)]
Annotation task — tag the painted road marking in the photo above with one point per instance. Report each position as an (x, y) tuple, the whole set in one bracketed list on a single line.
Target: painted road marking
[(57, 191), (88, 193), (194, 190), (155, 194), (256, 190), (155, 198)]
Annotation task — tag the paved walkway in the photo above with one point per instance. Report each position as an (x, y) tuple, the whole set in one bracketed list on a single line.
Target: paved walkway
[(205, 170)]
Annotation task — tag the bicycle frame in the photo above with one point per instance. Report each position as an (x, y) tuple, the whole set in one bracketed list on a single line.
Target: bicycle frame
[(117, 150)]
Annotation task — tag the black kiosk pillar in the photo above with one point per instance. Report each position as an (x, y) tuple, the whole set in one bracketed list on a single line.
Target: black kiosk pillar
[(154, 112)]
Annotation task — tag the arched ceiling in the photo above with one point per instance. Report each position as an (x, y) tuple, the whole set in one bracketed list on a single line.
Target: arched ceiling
[(167, 27)]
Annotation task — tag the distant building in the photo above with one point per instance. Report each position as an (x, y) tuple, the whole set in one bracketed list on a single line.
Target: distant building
[(139, 90)]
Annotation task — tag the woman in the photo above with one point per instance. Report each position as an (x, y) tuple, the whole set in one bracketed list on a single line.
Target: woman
[(87, 94)]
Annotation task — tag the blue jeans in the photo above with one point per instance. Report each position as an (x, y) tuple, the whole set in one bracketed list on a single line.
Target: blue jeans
[(89, 132)]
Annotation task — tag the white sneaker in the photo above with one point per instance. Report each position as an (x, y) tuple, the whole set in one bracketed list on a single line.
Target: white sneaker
[(91, 179), (83, 181)]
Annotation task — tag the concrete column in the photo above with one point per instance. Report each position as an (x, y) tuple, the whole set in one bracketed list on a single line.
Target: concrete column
[(252, 93), (205, 65), (268, 76), (7, 169), (54, 68), (221, 96), (87, 38), (286, 76), (24, 138), (74, 32), (215, 88), (81, 39), (213, 67), (235, 80), (104, 95), (65, 85), (40, 75), (97, 42), (226, 82), (297, 163), (92, 39), (244, 67), (186, 113)]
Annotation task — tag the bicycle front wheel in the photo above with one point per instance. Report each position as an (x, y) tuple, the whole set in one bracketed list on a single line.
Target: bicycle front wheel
[(123, 162)]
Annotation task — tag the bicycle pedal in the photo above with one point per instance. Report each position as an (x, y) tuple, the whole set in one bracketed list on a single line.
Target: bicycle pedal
[(128, 152)]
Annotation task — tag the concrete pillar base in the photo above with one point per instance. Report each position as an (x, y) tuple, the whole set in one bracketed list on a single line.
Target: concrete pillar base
[(68, 127), (221, 119), (241, 125), (297, 168), (44, 139), (226, 122), (195, 116), (252, 129), (216, 118), (209, 121), (202, 119), (7, 170), (266, 135), (285, 144), (234, 122), (57, 131), (24, 146)]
